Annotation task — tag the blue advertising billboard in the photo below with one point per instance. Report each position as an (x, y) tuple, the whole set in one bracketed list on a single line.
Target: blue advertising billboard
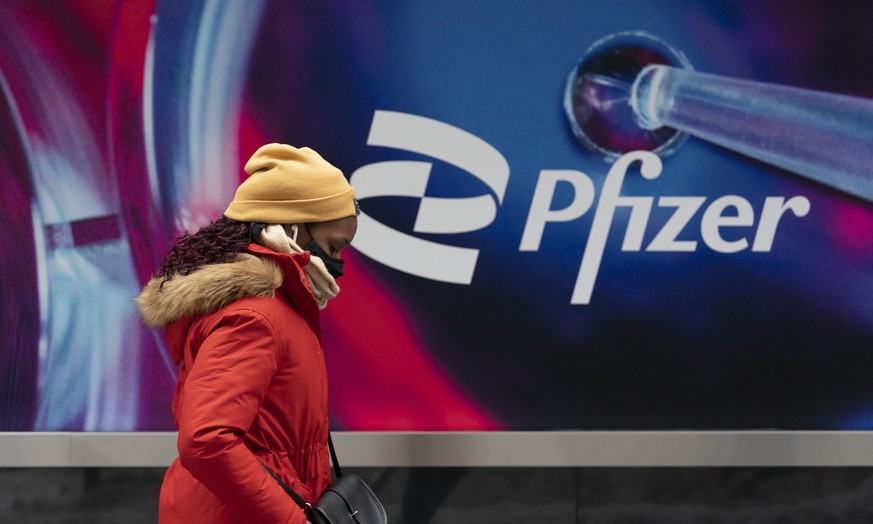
[(600, 215)]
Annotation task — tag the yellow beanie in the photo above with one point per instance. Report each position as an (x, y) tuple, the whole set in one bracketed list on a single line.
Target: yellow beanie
[(287, 185)]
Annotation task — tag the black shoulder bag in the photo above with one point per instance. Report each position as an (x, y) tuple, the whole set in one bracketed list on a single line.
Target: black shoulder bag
[(349, 500)]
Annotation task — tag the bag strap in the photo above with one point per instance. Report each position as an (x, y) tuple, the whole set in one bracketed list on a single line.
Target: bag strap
[(305, 506), (336, 467)]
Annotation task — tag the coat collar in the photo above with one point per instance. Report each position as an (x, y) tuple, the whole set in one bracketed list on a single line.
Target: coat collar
[(295, 286), (257, 271)]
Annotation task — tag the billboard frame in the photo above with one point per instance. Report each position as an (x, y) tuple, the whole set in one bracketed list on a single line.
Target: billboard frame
[(774, 448)]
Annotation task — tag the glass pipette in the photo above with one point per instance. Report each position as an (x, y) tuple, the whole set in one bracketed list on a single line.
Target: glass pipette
[(825, 137)]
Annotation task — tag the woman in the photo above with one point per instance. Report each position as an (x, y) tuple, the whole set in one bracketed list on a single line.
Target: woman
[(239, 303)]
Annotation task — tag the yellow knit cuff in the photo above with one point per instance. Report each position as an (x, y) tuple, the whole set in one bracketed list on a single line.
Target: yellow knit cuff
[(323, 209)]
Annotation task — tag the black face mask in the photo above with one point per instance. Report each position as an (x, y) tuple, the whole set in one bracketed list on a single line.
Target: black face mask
[(334, 265)]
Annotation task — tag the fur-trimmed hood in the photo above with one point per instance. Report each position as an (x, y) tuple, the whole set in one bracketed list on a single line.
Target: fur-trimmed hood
[(207, 289)]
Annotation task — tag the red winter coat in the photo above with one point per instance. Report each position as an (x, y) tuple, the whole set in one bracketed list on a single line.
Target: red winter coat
[(252, 389)]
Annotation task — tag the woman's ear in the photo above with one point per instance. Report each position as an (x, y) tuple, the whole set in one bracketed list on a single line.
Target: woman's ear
[(291, 230), (302, 236)]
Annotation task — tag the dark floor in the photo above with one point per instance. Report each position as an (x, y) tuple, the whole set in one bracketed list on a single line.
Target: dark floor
[(494, 495)]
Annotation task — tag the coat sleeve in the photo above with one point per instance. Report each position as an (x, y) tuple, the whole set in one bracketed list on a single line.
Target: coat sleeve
[(222, 394)]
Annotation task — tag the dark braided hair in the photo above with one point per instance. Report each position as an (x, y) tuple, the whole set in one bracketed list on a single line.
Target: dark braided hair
[(215, 243)]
